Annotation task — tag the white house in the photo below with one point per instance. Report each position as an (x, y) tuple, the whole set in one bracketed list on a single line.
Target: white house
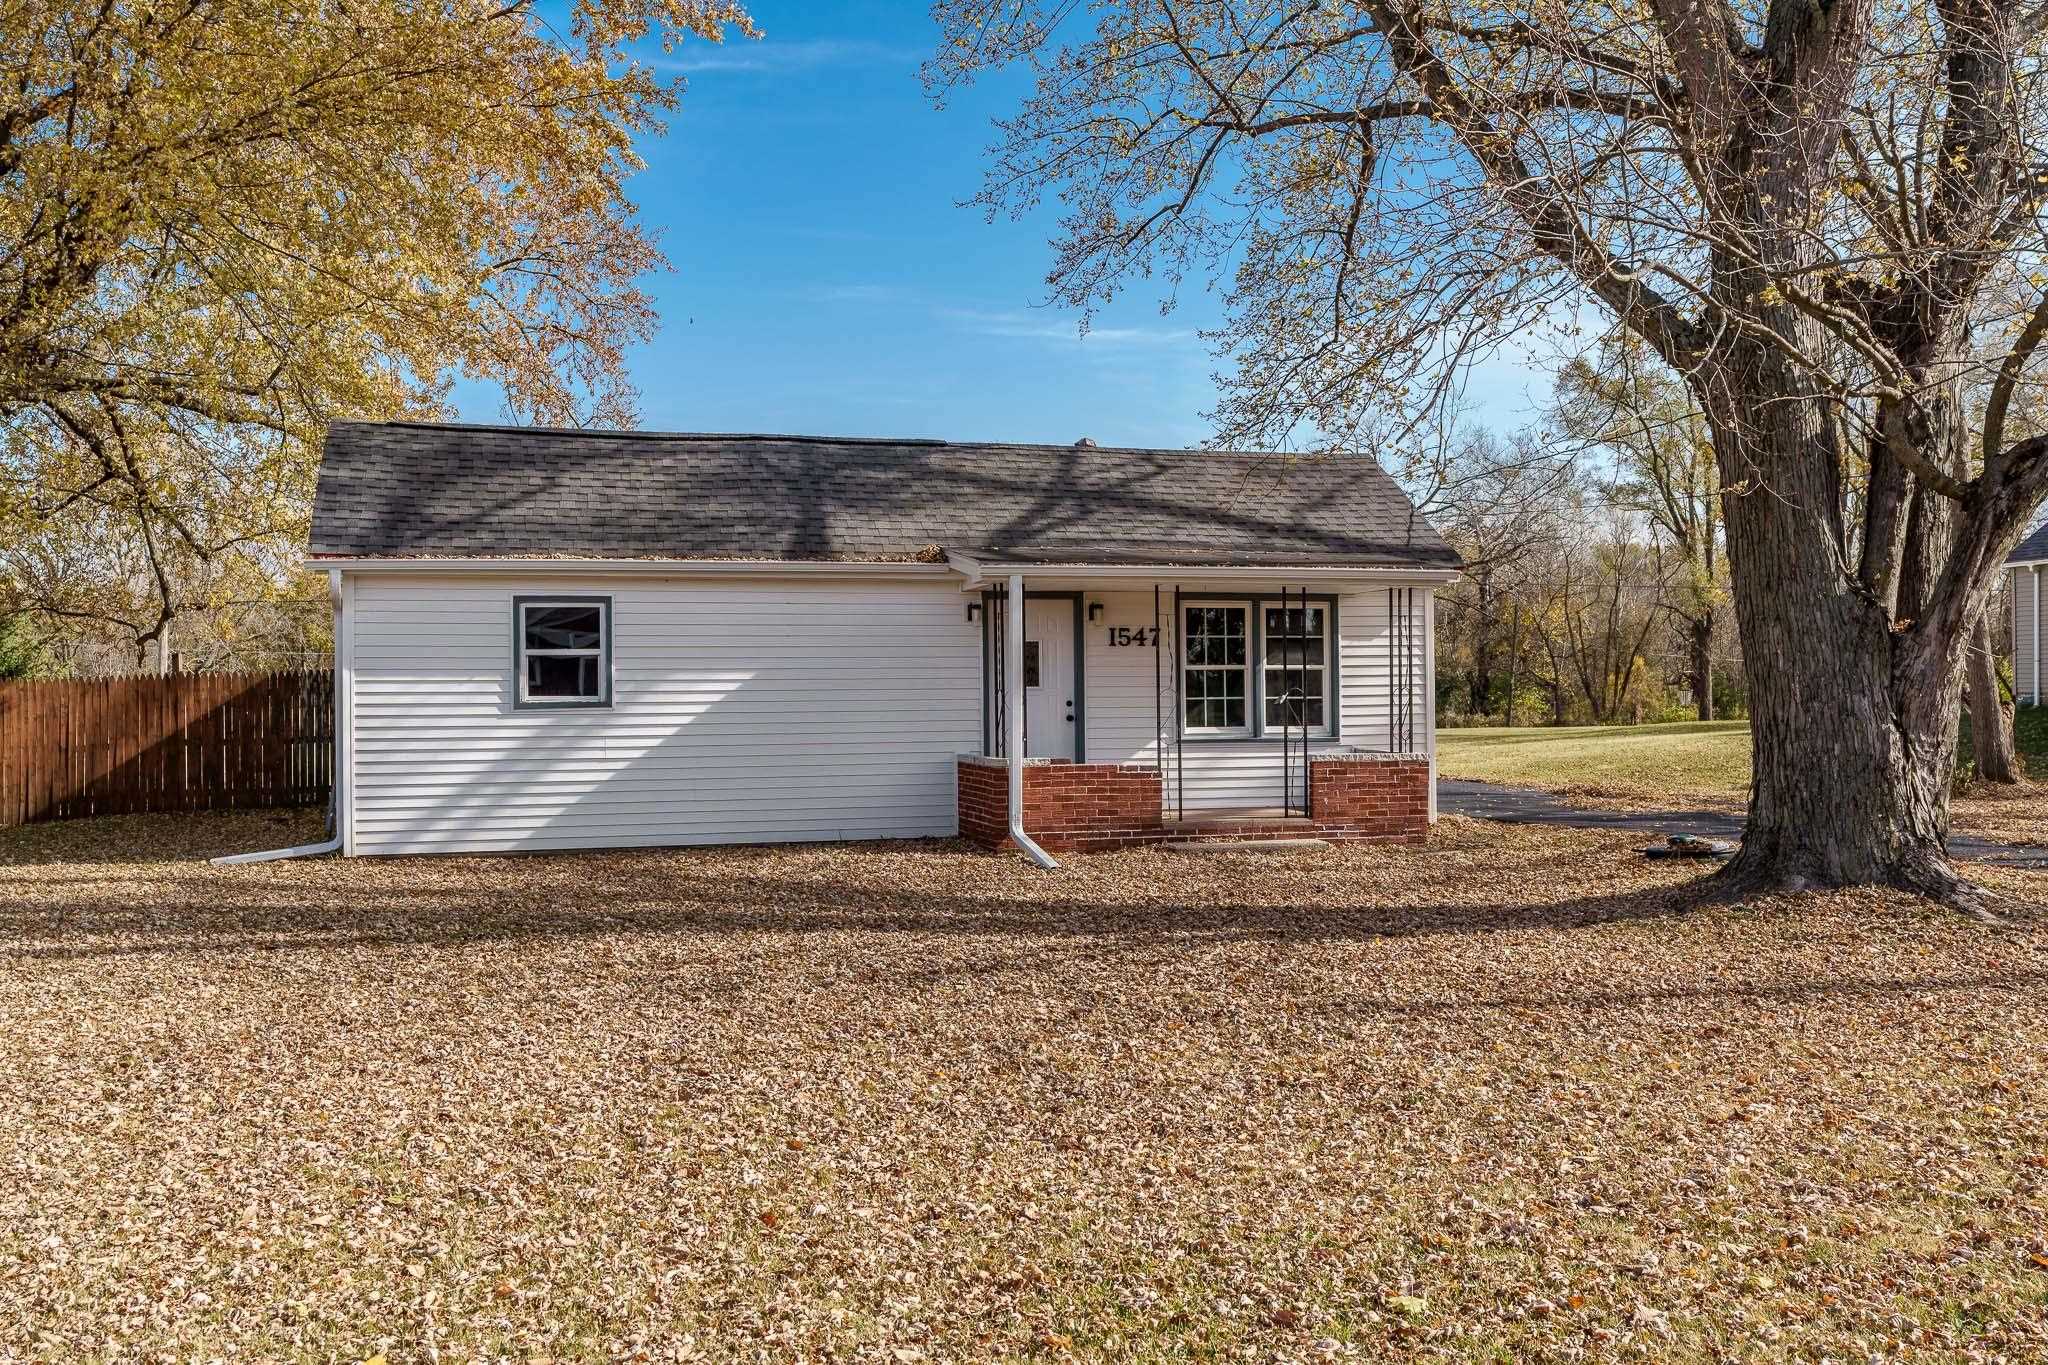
[(2025, 564), (554, 639)]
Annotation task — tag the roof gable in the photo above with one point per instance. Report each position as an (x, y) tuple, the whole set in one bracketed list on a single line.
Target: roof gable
[(399, 489), (2033, 549)]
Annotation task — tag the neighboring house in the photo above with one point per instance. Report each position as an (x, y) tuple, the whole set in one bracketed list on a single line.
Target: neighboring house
[(554, 639), (2025, 564)]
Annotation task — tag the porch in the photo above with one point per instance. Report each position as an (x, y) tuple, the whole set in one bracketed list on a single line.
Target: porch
[(1218, 704)]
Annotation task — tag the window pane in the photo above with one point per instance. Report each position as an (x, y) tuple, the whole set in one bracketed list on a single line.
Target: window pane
[(1031, 663), (1215, 698), (1303, 708), (577, 627), (552, 676), (1293, 636), (1214, 675)]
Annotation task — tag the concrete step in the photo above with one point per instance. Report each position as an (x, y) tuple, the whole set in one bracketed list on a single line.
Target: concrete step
[(1245, 845)]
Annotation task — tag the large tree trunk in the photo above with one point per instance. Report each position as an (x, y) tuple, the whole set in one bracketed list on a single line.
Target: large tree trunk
[(1702, 640), (1853, 734), (1991, 740)]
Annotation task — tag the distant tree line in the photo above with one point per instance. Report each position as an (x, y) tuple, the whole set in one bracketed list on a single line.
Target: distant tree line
[(1596, 582)]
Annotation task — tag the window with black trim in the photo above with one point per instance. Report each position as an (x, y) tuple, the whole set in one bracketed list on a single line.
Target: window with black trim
[(1296, 641), (1216, 669), (563, 650)]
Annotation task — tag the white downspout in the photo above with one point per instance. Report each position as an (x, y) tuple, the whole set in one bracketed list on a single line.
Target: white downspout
[(2036, 633), (339, 796), (1429, 688), (1013, 719)]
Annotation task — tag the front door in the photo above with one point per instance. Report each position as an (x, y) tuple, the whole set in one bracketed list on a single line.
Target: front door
[(1049, 679)]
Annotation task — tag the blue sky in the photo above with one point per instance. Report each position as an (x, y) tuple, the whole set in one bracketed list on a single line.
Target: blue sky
[(827, 281)]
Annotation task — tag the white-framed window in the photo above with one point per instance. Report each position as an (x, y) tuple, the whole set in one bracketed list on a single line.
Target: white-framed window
[(562, 651), (1257, 668), (1296, 688), (1216, 674)]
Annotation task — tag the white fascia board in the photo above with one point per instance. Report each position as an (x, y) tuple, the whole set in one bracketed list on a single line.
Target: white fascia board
[(979, 574), (2025, 563), (695, 568)]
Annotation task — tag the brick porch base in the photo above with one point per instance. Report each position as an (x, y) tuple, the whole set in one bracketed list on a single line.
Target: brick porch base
[(1070, 807)]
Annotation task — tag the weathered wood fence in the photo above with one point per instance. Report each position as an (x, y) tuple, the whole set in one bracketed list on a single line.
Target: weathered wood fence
[(187, 742)]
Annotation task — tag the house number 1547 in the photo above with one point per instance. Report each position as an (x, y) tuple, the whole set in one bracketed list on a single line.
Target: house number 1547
[(1134, 635)]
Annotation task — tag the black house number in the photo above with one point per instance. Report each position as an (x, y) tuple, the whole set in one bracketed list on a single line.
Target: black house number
[(1134, 635)]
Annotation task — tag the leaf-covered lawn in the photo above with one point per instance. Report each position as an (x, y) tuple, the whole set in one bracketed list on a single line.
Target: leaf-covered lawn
[(1502, 1097)]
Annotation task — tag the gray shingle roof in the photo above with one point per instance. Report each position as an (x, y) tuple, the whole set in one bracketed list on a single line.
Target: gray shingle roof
[(420, 489), (2034, 547)]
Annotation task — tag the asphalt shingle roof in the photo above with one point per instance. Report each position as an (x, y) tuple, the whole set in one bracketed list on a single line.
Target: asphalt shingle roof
[(2034, 547), (429, 490)]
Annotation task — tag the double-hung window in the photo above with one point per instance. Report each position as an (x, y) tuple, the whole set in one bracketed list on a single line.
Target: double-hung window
[(1251, 669), (1217, 683), (1297, 648), (562, 649)]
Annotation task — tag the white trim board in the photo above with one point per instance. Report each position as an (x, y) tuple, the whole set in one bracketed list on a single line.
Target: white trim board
[(701, 568)]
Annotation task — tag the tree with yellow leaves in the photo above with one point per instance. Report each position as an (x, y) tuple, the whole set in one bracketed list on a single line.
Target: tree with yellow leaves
[(223, 224)]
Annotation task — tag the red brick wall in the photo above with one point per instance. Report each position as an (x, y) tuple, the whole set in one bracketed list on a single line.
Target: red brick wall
[(1370, 797), (984, 803), (1066, 805), (1080, 806)]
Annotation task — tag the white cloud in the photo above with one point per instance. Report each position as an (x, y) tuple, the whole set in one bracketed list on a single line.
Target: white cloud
[(1053, 327), (769, 56)]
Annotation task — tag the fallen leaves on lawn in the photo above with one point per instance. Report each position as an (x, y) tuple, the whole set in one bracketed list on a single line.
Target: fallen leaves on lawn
[(1515, 1094)]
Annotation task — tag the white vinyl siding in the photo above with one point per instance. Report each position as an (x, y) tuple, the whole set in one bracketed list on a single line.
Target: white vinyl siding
[(1241, 774), (2026, 634), (742, 711)]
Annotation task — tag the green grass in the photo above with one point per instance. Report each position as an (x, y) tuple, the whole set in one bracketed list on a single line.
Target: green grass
[(1697, 759)]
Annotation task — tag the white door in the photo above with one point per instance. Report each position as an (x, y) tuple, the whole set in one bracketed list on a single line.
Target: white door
[(1049, 680)]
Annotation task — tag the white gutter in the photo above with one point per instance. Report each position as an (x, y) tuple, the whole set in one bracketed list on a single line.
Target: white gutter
[(339, 791), (710, 568), (979, 573), (1013, 719)]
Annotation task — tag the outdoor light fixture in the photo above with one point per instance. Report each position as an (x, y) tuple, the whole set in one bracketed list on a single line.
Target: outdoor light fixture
[(1094, 612), (973, 611)]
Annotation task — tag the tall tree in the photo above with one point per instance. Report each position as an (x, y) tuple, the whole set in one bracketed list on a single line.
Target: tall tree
[(1622, 403), (1494, 501), (1811, 212), (223, 224)]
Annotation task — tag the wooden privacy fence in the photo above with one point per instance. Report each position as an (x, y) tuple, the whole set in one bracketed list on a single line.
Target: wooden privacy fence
[(187, 742)]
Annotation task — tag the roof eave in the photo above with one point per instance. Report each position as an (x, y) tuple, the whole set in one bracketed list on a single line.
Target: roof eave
[(780, 568), (978, 572)]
